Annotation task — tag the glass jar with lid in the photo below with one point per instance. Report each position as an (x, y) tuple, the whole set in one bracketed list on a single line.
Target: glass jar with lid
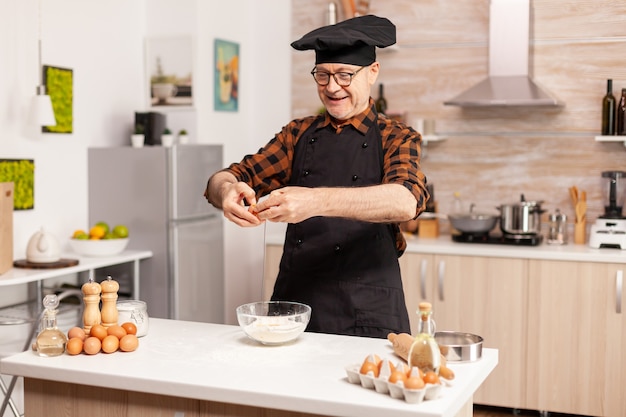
[(134, 311), (557, 233)]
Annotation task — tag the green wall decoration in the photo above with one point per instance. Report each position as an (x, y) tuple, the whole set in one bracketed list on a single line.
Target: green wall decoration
[(59, 85), (21, 172)]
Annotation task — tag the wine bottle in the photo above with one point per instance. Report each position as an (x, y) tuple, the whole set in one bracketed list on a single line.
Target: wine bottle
[(381, 101), (621, 113), (608, 110)]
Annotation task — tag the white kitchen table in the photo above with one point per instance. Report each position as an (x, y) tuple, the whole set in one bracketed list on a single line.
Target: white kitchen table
[(204, 369)]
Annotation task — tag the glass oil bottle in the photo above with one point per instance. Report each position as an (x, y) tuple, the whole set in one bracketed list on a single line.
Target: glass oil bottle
[(50, 341), (424, 352)]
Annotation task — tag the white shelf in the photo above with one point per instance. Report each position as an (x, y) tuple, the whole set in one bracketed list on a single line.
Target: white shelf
[(613, 138)]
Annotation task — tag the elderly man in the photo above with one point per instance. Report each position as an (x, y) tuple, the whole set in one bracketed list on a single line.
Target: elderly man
[(343, 181)]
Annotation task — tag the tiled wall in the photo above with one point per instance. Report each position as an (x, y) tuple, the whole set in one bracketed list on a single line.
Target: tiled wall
[(493, 155)]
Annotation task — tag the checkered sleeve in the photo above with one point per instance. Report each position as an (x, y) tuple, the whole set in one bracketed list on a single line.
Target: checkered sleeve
[(402, 153), (270, 168)]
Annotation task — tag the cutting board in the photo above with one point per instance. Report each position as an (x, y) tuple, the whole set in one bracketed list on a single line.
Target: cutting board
[(6, 226), (61, 263)]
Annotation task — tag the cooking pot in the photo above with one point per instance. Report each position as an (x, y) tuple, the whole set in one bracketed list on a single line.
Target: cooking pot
[(473, 222), (521, 218)]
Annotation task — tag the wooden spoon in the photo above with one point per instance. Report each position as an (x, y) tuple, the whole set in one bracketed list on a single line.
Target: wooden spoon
[(573, 193), (581, 210)]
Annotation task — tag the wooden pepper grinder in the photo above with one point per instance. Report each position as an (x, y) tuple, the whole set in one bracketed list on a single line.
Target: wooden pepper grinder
[(109, 302), (91, 297)]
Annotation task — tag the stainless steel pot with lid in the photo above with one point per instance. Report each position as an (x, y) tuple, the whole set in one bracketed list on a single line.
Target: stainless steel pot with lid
[(521, 218)]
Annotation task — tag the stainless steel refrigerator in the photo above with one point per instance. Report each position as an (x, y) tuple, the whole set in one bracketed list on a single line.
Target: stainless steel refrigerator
[(158, 193)]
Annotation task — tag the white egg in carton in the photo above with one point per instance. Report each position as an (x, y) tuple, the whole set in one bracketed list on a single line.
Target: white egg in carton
[(395, 390)]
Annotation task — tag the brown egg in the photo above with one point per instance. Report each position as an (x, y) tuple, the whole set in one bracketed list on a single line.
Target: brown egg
[(370, 364), (110, 344), (117, 331), (92, 345), (98, 331), (414, 382), (397, 376), (74, 346), (76, 332), (431, 378), (130, 327), (129, 343)]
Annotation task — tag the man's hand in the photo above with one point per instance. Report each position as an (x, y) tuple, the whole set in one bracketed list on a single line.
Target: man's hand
[(225, 192), (288, 205)]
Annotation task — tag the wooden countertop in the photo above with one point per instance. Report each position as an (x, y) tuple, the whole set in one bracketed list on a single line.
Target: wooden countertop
[(444, 245)]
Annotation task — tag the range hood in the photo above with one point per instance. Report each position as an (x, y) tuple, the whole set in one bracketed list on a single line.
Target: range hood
[(508, 83)]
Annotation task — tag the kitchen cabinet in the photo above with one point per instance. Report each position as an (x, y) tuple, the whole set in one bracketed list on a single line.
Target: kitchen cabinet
[(576, 338), (480, 295), (551, 311)]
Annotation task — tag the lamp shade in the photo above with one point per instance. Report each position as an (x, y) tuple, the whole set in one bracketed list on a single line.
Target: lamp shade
[(41, 112)]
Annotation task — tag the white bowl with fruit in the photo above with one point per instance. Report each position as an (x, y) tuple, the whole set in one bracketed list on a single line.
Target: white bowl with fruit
[(100, 240)]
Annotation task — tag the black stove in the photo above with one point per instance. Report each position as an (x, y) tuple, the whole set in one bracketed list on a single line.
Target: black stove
[(531, 239)]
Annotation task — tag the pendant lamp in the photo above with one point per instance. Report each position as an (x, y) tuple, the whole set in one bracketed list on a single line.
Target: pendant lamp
[(41, 112)]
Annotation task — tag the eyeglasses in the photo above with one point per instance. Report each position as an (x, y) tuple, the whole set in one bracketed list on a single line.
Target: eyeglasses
[(343, 79)]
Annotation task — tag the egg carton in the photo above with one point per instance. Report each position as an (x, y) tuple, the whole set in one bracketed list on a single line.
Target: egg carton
[(395, 390)]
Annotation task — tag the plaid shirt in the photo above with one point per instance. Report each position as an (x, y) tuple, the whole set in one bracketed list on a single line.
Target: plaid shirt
[(270, 168)]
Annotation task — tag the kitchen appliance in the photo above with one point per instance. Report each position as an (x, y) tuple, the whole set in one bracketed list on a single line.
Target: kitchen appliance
[(153, 124), (609, 230), (157, 193), (531, 239), (509, 82)]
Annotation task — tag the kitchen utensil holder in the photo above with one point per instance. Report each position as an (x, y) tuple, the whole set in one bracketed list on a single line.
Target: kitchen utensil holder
[(580, 233)]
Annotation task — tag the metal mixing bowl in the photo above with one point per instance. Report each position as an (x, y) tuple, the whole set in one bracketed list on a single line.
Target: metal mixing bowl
[(459, 347)]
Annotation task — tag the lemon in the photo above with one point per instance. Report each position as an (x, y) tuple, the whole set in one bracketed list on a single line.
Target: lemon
[(97, 232), (78, 232), (120, 231), (104, 225)]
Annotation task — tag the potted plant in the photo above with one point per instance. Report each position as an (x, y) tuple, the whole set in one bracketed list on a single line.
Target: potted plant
[(183, 137), (167, 138), (137, 138), (162, 86)]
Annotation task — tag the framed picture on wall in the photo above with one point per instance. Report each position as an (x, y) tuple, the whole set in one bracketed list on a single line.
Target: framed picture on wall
[(21, 172), (226, 79), (169, 64), (59, 84)]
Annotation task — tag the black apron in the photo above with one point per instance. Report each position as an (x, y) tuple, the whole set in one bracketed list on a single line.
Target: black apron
[(346, 270)]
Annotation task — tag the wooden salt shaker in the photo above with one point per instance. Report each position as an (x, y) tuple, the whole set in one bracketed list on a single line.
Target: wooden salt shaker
[(109, 302), (91, 298)]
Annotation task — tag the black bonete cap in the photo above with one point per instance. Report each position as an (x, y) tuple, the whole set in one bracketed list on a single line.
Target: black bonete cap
[(352, 41)]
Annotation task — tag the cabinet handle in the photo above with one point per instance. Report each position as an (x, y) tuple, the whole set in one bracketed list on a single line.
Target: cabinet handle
[(619, 279), (441, 272), (423, 271)]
